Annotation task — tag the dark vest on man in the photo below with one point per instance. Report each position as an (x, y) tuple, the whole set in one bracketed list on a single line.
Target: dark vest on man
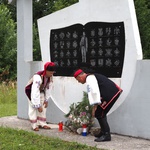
[(108, 89)]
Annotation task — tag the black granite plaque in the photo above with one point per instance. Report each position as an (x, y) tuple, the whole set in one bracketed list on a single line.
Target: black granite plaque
[(97, 45)]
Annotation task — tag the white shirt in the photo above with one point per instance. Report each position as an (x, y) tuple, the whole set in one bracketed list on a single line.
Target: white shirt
[(93, 90)]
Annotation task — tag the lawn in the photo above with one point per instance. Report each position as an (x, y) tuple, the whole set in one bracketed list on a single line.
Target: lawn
[(11, 139)]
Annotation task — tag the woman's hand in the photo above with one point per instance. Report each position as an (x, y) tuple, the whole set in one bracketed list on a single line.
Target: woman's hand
[(40, 109), (46, 104)]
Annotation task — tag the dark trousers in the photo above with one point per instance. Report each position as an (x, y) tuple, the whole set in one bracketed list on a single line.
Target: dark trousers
[(101, 113)]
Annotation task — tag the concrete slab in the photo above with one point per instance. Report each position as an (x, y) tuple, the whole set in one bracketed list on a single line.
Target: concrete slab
[(118, 142)]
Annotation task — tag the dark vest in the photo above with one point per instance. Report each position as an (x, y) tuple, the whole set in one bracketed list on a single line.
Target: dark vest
[(108, 88)]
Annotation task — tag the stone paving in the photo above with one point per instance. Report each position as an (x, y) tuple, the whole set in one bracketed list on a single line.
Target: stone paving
[(118, 142)]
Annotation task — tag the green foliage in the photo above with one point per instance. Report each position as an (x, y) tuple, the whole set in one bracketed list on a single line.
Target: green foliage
[(80, 113), (76, 108), (42, 8), (12, 8), (8, 52), (22, 140), (143, 17), (36, 45), (82, 106), (60, 4)]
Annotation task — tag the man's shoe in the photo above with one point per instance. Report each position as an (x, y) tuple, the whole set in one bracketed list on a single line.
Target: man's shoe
[(105, 137)]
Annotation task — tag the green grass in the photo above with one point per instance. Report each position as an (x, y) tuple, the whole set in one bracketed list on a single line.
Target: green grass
[(8, 99), (22, 140), (8, 109), (12, 139)]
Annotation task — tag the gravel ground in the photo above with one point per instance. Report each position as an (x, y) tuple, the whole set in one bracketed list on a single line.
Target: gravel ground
[(118, 142)]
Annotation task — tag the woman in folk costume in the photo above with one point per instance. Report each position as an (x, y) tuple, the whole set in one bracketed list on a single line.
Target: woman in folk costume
[(102, 94), (38, 91)]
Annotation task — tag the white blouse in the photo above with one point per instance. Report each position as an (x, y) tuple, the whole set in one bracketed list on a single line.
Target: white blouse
[(35, 91)]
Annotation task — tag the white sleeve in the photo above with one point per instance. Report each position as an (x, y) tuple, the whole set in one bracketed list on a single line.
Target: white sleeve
[(35, 91), (48, 91), (93, 90)]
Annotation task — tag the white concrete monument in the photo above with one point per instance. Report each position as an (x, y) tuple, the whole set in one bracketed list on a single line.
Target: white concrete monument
[(89, 11)]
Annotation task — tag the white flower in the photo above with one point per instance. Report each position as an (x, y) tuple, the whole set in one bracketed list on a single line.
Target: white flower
[(74, 120), (78, 120), (70, 116), (87, 107)]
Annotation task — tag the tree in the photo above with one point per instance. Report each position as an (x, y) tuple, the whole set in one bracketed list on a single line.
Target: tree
[(60, 4), (8, 52), (12, 9), (36, 44), (42, 8), (143, 17)]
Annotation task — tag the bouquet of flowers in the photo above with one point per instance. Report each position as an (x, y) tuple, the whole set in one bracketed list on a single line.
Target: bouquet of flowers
[(80, 113)]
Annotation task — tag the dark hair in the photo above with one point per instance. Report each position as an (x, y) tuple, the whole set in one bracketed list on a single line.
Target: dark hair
[(51, 68)]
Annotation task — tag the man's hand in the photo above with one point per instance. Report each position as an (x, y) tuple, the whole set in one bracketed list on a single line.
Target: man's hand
[(40, 109), (104, 103), (45, 103), (93, 110)]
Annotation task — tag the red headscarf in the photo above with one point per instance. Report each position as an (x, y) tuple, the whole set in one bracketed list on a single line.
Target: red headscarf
[(48, 64)]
